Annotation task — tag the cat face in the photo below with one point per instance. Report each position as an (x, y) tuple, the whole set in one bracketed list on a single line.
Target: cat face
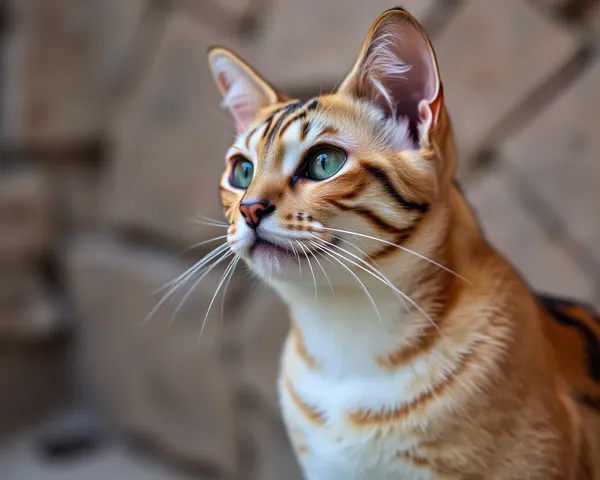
[(332, 182)]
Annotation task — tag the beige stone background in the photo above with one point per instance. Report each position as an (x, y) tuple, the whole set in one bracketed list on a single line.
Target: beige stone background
[(111, 143)]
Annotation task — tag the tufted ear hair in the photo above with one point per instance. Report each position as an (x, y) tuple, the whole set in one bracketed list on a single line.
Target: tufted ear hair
[(243, 90), (397, 71)]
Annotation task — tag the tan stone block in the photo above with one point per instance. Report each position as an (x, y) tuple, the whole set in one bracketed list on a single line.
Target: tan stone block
[(170, 143), (155, 380), (33, 375), (77, 185), (274, 458), (27, 313), (19, 460), (219, 13), (26, 218), (264, 324), (593, 19), (314, 43), (516, 233), (33, 381), (558, 4), (557, 155), (62, 60), (493, 55)]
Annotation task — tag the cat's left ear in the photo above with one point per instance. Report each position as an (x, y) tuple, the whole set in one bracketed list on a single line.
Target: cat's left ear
[(397, 71), (243, 90)]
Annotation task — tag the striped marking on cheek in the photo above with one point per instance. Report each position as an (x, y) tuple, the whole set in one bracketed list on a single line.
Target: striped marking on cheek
[(369, 216), (389, 188), (309, 412), (356, 191), (367, 417)]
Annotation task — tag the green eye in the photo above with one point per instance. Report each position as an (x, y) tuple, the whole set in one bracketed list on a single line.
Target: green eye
[(242, 173), (324, 163)]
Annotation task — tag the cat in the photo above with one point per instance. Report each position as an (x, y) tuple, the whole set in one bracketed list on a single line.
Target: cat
[(415, 350)]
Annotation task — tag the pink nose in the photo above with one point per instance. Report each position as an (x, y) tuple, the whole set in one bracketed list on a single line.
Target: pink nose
[(253, 212)]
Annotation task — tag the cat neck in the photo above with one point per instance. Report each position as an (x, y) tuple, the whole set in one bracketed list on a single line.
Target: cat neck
[(351, 334), (345, 333)]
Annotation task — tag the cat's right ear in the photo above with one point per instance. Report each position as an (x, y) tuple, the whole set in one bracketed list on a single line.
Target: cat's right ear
[(244, 92)]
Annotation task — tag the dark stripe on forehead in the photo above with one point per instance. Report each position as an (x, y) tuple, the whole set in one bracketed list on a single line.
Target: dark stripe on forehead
[(268, 125), (249, 136), (270, 119), (304, 130), (310, 105), (385, 182), (300, 116), (286, 111)]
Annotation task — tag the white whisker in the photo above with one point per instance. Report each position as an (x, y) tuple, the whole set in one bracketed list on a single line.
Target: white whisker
[(376, 270), (210, 255), (398, 291), (213, 220), (178, 282), (231, 265), (311, 271), (195, 284), (326, 252), (199, 244), (297, 257), (211, 224), (324, 272), (225, 290), (423, 257)]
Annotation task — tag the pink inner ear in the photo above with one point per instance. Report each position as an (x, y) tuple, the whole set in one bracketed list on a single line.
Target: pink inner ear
[(398, 72), (244, 94), (240, 109), (223, 83), (243, 117)]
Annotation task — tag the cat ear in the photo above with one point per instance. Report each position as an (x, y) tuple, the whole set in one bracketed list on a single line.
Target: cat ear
[(397, 71), (244, 92)]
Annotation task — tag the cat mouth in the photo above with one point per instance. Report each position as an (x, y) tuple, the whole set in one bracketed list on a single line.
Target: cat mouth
[(266, 250)]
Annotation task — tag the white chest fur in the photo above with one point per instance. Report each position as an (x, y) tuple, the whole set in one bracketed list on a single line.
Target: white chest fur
[(330, 379)]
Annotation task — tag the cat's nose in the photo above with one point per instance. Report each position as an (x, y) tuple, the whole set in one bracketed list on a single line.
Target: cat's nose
[(254, 212)]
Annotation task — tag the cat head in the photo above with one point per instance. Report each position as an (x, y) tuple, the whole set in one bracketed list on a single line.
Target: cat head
[(335, 181)]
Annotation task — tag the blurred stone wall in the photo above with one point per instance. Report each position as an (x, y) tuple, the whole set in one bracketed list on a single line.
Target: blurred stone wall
[(112, 142)]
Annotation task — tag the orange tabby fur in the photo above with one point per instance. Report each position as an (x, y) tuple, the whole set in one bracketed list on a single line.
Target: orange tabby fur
[(498, 382)]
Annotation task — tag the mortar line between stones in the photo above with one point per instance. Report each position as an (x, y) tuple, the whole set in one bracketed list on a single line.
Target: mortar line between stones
[(531, 106), (569, 13), (553, 12), (556, 228), (435, 20), (440, 15)]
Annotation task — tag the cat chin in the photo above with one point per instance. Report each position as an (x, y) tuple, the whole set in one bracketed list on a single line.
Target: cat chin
[(268, 260)]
